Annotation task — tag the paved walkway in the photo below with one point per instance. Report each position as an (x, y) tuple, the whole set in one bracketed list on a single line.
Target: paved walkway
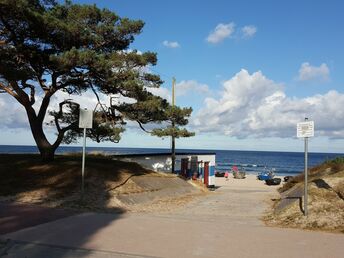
[(14, 217), (224, 224)]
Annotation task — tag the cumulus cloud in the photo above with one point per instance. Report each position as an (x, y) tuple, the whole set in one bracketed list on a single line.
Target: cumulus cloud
[(170, 44), (251, 105), (185, 87), (221, 32), (308, 72), (161, 92), (12, 114), (248, 31)]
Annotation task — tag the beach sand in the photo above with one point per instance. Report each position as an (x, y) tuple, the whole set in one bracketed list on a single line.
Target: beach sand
[(249, 182)]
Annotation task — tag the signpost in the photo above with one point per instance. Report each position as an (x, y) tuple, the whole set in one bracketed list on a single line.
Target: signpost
[(85, 121), (305, 130)]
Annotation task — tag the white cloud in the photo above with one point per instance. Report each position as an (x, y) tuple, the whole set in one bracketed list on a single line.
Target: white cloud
[(161, 92), (248, 31), (170, 44), (252, 105), (308, 72), (221, 32), (12, 114), (185, 87)]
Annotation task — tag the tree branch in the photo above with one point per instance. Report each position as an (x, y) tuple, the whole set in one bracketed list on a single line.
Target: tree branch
[(23, 98), (60, 113), (44, 106), (62, 131), (97, 96), (141, 126), (6, 89), (32, 91), (61, 134)]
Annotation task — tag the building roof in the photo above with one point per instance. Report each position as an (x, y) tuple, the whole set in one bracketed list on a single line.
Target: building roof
[(161, 154)]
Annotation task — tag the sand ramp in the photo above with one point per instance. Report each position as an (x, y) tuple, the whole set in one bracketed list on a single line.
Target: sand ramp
[(155, 188)]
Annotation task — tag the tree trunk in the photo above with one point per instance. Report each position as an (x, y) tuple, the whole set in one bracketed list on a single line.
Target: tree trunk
[(47, 154), (46, 149)]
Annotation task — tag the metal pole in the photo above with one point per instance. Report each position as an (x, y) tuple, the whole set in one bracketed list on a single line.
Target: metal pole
[(306, 177), (173, 125), (83, 163)]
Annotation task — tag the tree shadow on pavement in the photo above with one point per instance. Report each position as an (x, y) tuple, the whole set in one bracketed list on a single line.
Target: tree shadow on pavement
[(47, 197)]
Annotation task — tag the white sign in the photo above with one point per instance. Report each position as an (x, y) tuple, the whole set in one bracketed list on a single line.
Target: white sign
[(85, 118), (305, 129)]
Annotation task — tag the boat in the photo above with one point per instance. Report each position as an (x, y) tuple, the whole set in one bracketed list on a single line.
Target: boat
[(288, 178), (219, 174), (273, 181), (267, 174)]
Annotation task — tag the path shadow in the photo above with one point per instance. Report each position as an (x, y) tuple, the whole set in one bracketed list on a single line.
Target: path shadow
[(28, 185)]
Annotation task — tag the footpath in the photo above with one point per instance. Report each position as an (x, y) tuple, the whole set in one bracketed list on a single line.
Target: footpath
[(225, 223)]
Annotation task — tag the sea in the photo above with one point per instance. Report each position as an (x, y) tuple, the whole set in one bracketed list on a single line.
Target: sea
[(253, 162)]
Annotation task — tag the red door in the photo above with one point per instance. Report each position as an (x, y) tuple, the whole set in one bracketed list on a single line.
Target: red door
[(206, 173), (184, 167)]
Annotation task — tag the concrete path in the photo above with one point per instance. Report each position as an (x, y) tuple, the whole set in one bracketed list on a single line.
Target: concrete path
[(224, 224)]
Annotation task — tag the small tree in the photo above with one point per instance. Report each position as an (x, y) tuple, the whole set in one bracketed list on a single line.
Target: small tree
[(47, 47), (176, 118)]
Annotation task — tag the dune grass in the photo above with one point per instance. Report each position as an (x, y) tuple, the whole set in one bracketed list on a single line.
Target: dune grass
[(25, 178), (329, 167), (325, 200)]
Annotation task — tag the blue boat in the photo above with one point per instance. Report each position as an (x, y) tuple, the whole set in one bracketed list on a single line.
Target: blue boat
[(265, 175)]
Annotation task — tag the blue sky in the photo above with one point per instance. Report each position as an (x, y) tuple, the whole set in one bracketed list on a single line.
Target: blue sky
[(249, 69)]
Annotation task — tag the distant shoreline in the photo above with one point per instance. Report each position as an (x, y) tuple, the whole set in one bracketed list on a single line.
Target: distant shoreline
[(284, 163), (164, 150)]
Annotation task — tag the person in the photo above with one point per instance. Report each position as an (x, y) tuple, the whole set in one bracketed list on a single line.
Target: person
[(226, 175), (235, 171)]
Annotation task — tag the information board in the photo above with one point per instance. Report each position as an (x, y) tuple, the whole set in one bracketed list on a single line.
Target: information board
[(305, 129), (85, 118)]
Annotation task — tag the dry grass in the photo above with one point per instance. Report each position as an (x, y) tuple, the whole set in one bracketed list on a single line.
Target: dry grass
[(327, 168), (24, 178), (325, 201)]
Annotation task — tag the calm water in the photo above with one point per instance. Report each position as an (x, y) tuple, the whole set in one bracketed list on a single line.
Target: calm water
[(285, 163)]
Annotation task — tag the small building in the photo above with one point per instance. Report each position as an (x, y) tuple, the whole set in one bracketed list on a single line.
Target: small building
[(189, 165)]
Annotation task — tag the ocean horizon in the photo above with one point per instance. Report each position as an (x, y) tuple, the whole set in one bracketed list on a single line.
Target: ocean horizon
[(284, 163)]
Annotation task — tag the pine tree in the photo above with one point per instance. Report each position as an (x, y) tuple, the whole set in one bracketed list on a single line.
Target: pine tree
[(47, 47)]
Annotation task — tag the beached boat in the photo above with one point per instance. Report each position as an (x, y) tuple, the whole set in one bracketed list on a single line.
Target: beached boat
[(273, 181), (219, 174), (288, 178), (265, 175)]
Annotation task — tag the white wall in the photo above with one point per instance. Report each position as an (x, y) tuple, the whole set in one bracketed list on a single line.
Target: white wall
[(163, 163)]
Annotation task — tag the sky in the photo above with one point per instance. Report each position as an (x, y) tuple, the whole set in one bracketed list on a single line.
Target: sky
[(251, 70)]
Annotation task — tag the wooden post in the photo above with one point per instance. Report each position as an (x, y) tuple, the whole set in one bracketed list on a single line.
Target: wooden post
[(173, 145)]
